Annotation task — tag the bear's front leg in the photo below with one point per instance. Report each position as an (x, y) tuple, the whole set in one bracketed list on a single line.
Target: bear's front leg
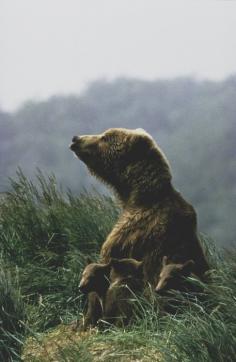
[(93, 314)]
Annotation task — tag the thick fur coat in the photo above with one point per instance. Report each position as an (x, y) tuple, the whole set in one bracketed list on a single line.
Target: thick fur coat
[(156, 219)]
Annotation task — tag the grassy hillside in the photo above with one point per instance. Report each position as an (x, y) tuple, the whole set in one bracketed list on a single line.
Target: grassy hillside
[(45, 235)]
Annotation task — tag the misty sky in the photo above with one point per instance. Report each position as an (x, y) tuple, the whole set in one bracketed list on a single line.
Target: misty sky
[(59, 46)]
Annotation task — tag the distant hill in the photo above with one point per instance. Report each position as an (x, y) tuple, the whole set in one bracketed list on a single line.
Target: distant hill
[(194, 122)]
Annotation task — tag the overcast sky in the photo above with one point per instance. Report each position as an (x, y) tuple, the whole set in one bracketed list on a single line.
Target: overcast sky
[(59, 46)]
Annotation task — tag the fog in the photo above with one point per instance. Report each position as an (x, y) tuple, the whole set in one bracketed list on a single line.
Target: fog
[(59, 46)]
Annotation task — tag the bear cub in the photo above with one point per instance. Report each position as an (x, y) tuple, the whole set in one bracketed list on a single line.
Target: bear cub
[(94, 283), (95, 278), (111, 290), (173, 275), (127, 282)]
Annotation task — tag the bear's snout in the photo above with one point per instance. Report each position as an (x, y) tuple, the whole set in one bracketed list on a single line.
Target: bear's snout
[(83, 289), (76, 141), (160, 291), (161, 287)]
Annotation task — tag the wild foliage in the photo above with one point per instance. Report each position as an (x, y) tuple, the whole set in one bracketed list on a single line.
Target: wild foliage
[(45, 235), (12, 315)]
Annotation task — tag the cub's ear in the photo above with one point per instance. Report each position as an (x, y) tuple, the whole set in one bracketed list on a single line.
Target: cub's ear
[(88, 260), (139, 264), (114, 262), (164, 260), (188, 266), (107, 265)]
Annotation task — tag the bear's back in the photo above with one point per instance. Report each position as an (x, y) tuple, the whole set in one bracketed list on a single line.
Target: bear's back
[(149, 233)]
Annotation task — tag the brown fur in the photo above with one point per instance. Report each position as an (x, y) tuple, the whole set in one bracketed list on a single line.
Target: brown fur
[(95, 278), (94, 282), (126, 283), (173, 276), (94, 312), (156, 219), (109, 288)]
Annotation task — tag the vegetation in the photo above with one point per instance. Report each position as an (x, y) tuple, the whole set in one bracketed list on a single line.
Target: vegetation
[(45, 235), (12, 315)]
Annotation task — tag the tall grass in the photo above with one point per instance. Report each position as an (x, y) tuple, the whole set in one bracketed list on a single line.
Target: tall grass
[(45, 235), (12, 316), (40, 221)]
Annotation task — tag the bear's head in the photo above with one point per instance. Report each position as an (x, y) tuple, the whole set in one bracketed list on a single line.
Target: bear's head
[(95, 278), (125, 268), (172, 275), (128, 160)]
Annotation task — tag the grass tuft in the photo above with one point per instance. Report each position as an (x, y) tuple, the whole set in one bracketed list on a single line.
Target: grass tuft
[(12, 316)]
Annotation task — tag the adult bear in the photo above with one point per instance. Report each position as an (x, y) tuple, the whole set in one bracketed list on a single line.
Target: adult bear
[(156, 220)]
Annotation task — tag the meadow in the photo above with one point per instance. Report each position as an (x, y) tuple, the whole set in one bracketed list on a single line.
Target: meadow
[(46, 233)]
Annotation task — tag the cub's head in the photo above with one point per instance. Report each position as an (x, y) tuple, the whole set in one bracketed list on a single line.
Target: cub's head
[(120, 157), (95, 278), (172, 275), (125, 268)]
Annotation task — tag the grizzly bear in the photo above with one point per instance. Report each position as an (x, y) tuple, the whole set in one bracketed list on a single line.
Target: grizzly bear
[(110, 287), (95, 278), (94, 283), (127, 282), (173, 276), (156, 219), (175, 288)]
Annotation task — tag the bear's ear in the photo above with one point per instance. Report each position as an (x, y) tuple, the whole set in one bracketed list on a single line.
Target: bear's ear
[(140, 130), (188, 266), (141, 142), (164, 260)]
